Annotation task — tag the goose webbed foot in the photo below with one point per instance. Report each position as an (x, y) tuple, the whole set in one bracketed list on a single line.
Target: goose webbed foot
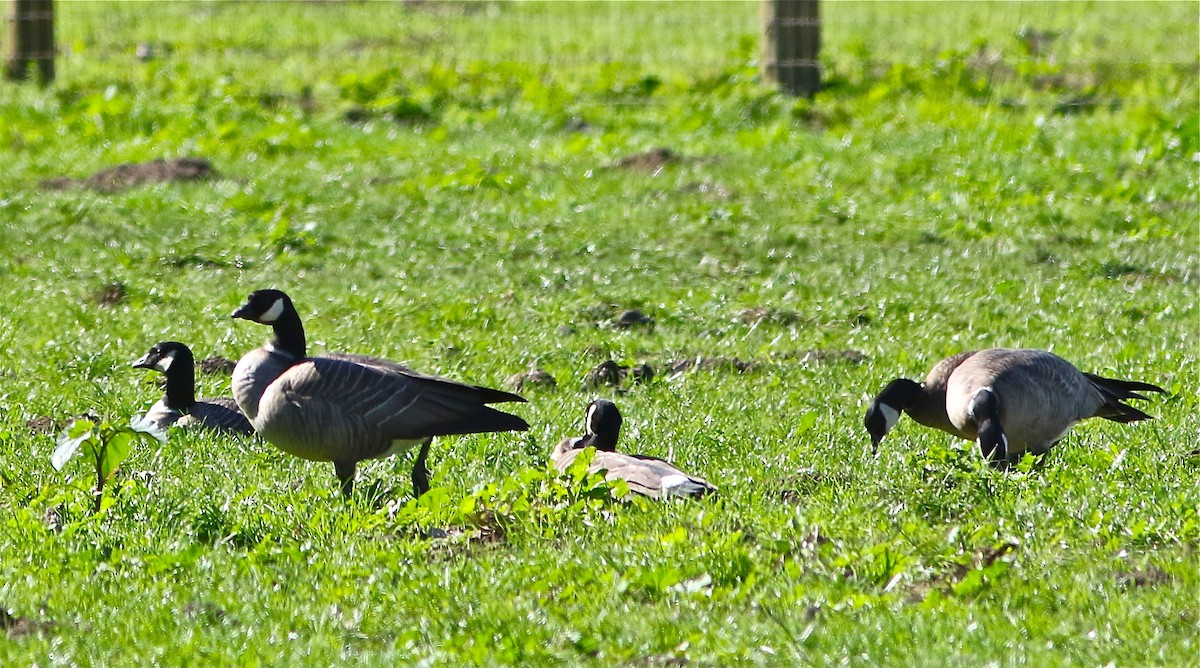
[(420, 472)]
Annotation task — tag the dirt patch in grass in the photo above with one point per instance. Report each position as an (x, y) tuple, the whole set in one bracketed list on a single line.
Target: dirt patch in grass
[(110, 294), (819, 356), (213, 366), (533, 378), (682, 366), (131, 175), (611, 315), (23, 626), (649, 162), (42, 424), (769, 314), (1146, 576), (709, 190), (205, 611), (633, 319), (609, 373)]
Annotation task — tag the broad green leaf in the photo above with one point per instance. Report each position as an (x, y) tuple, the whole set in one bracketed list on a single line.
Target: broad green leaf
[(115, 452), (69, 442)]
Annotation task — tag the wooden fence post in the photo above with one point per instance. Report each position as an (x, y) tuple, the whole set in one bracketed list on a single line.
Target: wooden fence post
[(30, 40), (791, 45)]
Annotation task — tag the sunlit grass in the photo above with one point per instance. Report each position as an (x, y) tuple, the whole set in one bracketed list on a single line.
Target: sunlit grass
[(461, 198)]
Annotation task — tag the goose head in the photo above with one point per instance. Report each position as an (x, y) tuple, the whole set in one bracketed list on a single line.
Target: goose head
[(162, 356), (265, 307), (602, 426), (884, 412)]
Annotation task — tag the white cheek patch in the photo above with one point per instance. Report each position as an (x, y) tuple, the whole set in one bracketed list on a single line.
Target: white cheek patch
[(890, 417), (164, 363), (587, 421), (272, 313)]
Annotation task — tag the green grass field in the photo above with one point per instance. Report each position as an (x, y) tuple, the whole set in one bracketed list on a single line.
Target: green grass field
[(475, 189)]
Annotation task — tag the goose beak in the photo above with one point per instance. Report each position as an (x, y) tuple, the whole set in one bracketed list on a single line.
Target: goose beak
[(243, 312), (143, 362), (875, 445)]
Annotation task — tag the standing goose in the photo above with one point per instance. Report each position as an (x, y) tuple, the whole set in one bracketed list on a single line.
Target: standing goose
[(179, 406), (344, 408), (649, 476), (1008, 401)]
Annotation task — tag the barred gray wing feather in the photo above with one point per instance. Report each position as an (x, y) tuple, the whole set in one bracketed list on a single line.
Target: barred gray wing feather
[(220, 414), (339, 396), (487, 395)]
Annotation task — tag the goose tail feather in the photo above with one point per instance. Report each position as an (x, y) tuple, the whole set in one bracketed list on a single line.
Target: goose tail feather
[(1116, 392)]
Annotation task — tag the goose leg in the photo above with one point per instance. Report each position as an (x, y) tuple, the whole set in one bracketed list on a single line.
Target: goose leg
[(345, 474), (420, 472)]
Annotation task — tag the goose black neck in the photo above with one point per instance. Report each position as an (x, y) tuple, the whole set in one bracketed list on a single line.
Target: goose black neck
[(901, 393), (289, 333), (181, 383), (606, 442)]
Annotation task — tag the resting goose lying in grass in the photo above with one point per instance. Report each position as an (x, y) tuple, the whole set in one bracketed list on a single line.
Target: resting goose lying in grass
[(649, 476), (180, 406)]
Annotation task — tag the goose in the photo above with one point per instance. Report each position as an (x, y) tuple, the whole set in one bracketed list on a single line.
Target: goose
[(344, 407), (648, 476), (1008, 401), (180, 406)]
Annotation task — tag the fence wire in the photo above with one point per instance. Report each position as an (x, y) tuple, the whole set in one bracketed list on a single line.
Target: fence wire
[(688, 38)]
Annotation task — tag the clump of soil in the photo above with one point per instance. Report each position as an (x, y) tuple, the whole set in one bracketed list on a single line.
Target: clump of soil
[(680, 367), (532, 378), (110, 294), (650, 162), (1143, 577), (213, 366), (43, 424), (609, 373), (825, 356), (769, 314), (23, 626), (633, 318), (131, 175)]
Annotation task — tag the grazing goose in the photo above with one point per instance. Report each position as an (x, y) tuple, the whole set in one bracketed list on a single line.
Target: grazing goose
[(344, 408), (649, 476), (180, 406), (1008, 401)]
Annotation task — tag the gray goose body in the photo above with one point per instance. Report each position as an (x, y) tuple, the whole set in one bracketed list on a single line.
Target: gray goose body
[(1009, 401), (649, 476), (344, 408), (179, 406)]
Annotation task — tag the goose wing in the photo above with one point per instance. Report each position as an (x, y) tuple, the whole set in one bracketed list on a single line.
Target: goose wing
[(220, 413), (488, 395), (650, 476), (366, 399)]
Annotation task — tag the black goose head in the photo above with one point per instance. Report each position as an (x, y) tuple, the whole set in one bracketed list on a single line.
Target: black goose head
[(884, 412), (265, 306), (164, 356), (274, 308), (602, 426), (176, 362)]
